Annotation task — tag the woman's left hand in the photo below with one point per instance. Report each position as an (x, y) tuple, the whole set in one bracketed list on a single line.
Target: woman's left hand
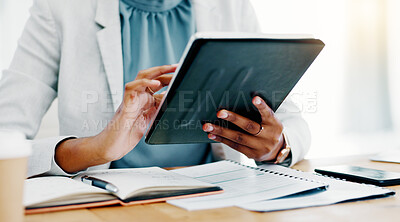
[(263, 141)]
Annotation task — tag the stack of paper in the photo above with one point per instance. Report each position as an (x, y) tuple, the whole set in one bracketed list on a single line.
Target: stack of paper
[(338, 191), (271, 188), (241, 184)]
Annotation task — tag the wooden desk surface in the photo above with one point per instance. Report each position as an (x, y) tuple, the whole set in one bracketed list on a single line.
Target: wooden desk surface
[(386, 209)]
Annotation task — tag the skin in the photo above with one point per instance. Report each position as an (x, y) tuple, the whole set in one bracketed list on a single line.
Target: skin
[(262, 147), (137, 109), (126, 128)]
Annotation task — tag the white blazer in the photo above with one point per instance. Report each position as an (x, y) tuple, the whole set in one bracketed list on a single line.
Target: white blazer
[(71, 49)]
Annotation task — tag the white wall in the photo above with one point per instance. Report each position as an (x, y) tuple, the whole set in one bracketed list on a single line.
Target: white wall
[(393, 17), (323, 91), (318, 93), (13, 15)]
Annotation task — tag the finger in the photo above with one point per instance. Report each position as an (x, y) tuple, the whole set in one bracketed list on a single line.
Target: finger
[(239, 147), (267, 115), (146, 101), (165, 80), (141, 85), (235, 136), (240, 121), (136, 98), (137, 102), (149, 113), (155, 72), (133, 96), (158, 98)]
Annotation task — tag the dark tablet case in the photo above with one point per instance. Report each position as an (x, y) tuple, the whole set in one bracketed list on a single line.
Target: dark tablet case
[(226, 74)]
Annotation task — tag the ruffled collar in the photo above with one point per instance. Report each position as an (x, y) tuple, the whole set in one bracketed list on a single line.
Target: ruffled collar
[(153, 5)]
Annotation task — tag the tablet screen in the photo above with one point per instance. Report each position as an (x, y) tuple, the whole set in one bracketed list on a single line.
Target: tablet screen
[(226, 74)]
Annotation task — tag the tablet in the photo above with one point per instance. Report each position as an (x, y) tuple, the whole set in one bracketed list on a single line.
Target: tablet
[(225, 71)]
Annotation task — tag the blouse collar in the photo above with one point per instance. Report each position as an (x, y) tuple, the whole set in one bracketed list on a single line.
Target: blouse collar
[(153, 5)]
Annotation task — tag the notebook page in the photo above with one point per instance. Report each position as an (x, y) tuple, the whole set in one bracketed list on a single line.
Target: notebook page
[(338, 191), (43, 189), (241, 185), (129, 180)]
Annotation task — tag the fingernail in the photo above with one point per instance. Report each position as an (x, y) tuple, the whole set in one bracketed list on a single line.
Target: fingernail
[(222, 114), (257, 101), (212, 136), (209, 128)]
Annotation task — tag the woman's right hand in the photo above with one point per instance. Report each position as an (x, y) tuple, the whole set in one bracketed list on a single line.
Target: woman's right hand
[(126, 128), (135, 112)]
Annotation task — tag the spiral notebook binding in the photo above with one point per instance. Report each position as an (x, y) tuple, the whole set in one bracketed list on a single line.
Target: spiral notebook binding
[(307, 179), (278, 173)]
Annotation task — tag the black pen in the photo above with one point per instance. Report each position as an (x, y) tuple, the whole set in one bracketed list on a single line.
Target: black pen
[(99, 183)]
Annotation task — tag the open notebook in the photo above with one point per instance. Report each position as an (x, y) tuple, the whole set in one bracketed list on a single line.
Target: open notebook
[(135, 186)]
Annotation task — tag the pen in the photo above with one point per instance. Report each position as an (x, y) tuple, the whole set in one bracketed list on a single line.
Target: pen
[(99, 183)]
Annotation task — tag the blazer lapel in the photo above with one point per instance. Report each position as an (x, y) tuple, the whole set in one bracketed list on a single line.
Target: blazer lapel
[(109, 40)]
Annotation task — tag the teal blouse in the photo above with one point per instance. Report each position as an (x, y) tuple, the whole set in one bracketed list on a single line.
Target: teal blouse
[(154, 33)]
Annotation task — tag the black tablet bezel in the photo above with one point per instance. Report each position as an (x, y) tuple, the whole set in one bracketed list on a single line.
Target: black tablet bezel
[(189, 58)]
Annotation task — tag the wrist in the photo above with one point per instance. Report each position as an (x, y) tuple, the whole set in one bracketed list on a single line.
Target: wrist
[(63, 155), (96, 148), (73, 155), (284, 151), (282, 143)]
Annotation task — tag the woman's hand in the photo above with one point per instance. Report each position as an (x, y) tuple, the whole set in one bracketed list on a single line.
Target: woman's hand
[(135, 112), (126, 128), (263, 141)]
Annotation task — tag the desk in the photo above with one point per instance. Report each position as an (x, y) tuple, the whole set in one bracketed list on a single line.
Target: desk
[(386, 209)]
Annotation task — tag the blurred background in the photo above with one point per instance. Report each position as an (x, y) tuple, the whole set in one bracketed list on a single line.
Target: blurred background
[(349, 96)]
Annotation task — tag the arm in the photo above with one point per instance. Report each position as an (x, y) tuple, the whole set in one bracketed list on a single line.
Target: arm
[(29, 86), (125, 129)]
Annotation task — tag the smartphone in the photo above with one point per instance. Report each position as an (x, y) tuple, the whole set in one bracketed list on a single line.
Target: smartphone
[(362, 175)]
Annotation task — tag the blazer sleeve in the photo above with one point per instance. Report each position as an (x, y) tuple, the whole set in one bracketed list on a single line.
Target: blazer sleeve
[(29, 86)]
